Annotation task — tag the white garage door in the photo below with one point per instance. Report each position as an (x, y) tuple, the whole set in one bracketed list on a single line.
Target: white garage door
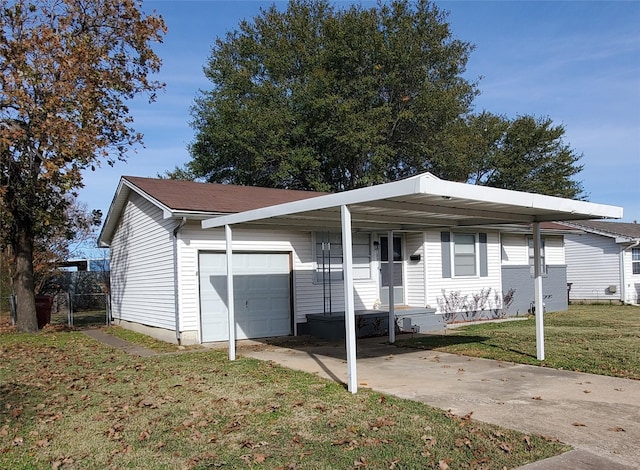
[(262, 295)]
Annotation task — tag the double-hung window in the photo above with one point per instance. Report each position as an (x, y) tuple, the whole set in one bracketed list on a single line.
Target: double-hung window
[(531, 256), (464, 254), (328, 256), (635, 260)]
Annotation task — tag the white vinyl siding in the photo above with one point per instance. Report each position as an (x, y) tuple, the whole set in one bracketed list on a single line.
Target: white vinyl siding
[(516, 250), (142, 274), (467, 286), (415, 279), (593, 264), (307, 294)]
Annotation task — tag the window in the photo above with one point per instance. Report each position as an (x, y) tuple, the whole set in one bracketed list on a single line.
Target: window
[(635, 260), (464, 254), (542, 256), (328, 256)]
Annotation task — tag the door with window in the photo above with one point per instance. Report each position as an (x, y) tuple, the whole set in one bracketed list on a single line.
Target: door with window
[(398, 279)]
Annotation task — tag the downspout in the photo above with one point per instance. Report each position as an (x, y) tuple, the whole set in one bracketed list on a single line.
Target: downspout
[(623, 282), (175, 278)]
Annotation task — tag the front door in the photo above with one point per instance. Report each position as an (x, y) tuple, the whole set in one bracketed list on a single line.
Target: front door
[(398, 280)]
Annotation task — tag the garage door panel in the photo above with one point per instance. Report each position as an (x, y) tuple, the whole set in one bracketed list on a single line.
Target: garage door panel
[(261, 291)]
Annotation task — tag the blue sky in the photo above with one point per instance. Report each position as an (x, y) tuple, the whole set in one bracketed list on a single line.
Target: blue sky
[(575, 62)]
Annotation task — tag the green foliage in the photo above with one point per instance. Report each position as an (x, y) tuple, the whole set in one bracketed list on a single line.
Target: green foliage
[(325, 99), (320, 98)]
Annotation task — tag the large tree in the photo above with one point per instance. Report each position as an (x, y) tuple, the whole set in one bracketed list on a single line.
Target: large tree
[(68, 69), (524, 153), (321, 98), (316, 97)]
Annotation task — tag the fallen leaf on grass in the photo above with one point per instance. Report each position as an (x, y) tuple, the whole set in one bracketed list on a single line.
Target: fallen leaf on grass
[(42, 443), (505, 446), (527, 442), (444, 464), (259, 458), (459, 442), (360, 463), (381, 422)]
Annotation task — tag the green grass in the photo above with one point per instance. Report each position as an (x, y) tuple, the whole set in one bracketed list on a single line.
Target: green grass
[(599, 339), (67, 401)]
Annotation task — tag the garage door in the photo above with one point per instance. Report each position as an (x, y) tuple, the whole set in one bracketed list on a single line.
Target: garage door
[(262, 295)]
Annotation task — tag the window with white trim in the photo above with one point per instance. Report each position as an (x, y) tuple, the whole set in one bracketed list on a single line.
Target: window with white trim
[(531, 256), (328, 256), (635, 260), (464, 254)]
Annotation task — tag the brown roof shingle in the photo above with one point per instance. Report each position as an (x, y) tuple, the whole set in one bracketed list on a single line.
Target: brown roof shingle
[(212, 197), (624, 229)]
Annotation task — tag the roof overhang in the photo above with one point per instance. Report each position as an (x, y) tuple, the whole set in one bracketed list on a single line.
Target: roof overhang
[(123, 192), (416, 203)]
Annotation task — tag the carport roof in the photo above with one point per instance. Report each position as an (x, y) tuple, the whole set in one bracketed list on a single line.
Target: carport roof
[(417, 203)]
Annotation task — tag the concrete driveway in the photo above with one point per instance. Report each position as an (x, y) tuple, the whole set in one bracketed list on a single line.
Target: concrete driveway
[(599, 416)]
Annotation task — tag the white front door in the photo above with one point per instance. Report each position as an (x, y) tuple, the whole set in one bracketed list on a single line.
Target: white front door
[(398, 271), (262, 293)]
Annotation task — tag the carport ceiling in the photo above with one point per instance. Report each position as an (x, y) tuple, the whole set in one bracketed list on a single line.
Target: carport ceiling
[(417, 203)]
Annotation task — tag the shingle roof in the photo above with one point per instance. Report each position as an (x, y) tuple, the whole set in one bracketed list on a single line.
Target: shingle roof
[(620, 229), (212, 197)]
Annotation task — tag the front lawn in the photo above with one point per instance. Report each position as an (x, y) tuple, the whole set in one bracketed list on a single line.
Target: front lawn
[(599, 339), (67, 401)]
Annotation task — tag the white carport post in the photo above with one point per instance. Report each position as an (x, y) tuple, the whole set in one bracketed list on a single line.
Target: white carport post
[(392, 297), (539, 305), (231, 316), (349, 304)]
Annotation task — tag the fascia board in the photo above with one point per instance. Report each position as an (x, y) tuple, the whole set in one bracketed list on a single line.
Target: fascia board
[(428, 184), (586, 210), (355, 196)]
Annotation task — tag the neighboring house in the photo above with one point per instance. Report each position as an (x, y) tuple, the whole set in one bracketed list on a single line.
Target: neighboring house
[(603, 261), (168, 274)]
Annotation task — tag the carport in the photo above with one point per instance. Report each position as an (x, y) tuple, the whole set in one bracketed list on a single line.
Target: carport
[(417, 203)]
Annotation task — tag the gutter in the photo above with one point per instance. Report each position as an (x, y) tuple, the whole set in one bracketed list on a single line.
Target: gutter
[(176, 291), (623, 294)]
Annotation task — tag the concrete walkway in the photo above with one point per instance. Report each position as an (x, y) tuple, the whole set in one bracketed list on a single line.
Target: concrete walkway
[(599, 416), (115, 342)]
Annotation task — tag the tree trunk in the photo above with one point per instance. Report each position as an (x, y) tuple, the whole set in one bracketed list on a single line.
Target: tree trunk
[(27, 320)]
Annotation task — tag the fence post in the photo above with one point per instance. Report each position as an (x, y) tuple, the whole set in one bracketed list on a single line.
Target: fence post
[(107, 307), (69, 310)]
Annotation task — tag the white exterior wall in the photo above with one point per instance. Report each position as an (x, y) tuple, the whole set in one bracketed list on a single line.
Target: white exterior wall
[(415, 270), (142, 274), (515, 249), (467, 285), (631, 281), (593, 264), (554, 250), (307, 294)]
